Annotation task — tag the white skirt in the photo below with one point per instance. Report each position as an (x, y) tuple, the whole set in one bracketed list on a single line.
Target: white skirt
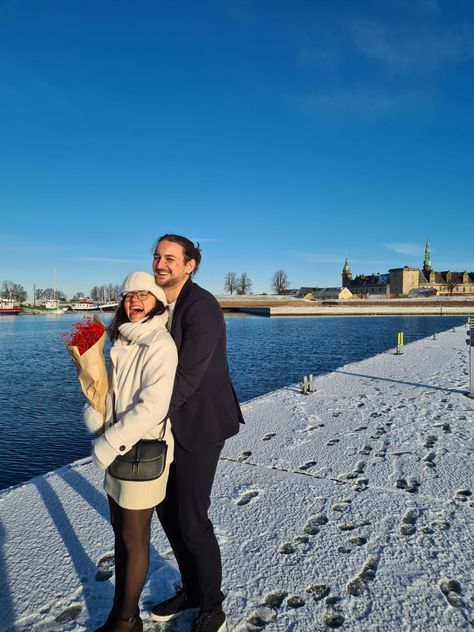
[(142, 494)]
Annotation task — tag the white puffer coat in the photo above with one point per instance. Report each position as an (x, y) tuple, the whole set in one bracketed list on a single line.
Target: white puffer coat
[(144, 361)]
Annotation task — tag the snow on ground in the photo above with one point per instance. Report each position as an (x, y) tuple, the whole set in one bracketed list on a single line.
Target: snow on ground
[(349, 508)]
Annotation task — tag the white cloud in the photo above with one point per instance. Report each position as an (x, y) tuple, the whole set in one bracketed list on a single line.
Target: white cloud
[(106, 260), (412, 250), (319, 257), (369, 100), (409, 49)]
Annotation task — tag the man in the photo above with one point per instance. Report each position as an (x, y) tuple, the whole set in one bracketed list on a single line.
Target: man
[(204, 412)]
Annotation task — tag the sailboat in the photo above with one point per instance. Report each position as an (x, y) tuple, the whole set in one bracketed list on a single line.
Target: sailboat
[(49, 306)]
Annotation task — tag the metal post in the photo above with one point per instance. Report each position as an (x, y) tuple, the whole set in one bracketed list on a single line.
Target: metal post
[(470, 342), (307, 385), (399, 343)]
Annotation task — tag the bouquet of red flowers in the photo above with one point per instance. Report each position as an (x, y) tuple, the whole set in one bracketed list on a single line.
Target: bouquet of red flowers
[(85, 343)]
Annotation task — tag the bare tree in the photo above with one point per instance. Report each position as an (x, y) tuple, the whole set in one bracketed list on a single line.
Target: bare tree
[(13, 291), (451, 284), (78, 296), (49, 294), (244, 284), (106, 293), (230, 282), (280, 282)]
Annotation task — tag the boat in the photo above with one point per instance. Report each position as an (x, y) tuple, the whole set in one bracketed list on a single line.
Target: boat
[(7, 308), (46, 307), (83, 306)]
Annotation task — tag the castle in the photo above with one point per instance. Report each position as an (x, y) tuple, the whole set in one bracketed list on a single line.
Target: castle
[(403, 281)]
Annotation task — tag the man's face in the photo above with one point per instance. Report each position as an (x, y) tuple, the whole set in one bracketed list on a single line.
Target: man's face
[(169, 265)]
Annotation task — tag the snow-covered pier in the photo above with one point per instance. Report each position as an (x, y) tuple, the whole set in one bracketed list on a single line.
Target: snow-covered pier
[(349, 508)]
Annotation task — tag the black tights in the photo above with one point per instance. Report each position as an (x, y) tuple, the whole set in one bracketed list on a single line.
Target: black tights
[(132, 555)]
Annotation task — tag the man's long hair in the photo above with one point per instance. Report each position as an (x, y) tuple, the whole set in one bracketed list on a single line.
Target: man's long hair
[(190, 250)]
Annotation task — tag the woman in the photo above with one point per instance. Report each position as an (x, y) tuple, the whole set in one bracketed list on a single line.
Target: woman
[(144, 361)]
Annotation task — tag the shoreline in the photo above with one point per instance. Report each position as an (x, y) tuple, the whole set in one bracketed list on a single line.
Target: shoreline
[(284, 306)]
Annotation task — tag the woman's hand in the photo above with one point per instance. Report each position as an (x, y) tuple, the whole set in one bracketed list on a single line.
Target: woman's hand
[(93, 420), (103, 453)]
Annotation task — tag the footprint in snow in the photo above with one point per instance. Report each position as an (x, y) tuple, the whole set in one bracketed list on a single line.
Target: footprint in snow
[(430, 441), (312, 525), (428, 460), (267, 611), (245, 455), (247, 497), (287, 548), (357, 584), (408, 522), (333, 617), (332, 442), (307, 465), (451, 590), (351, 526), (318, 591), (446, 428), (463, 494), (361, 485), (269, 436), (342, 506), (410, 486), (360, 428), (105, 567), (69, 614)]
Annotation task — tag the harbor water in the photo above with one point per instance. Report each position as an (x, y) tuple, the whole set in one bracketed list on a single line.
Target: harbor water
[(41, 402)]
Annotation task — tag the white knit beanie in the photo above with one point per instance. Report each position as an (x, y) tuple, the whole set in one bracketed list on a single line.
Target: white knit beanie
[(137, 281)]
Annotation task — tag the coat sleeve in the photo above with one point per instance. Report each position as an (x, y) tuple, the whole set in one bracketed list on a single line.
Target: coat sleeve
[(203, 324), (152, 406)]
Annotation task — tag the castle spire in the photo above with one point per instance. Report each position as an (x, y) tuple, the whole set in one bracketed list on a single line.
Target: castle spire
[(346, 274), (427, 261)]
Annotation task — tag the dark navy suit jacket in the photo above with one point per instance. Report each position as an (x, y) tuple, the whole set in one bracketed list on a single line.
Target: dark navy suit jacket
[(204, 410)]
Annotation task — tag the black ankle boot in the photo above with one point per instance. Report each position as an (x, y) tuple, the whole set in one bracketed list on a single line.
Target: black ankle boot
[(136, 624)]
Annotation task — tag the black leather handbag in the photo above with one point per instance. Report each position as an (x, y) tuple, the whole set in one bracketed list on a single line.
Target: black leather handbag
[(145, 461)]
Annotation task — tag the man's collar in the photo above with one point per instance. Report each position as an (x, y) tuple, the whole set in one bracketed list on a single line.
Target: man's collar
[(181, 298)]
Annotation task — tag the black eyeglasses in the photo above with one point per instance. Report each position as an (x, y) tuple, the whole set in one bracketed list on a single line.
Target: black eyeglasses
[(142, 295)]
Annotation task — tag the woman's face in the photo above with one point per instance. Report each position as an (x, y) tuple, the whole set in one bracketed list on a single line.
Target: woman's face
[(138, 304)]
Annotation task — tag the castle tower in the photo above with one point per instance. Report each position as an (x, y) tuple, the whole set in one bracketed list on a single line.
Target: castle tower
[(346, 274), (427, 261)]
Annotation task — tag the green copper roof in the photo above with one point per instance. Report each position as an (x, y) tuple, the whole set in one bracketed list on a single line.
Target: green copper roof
[(427, 261)]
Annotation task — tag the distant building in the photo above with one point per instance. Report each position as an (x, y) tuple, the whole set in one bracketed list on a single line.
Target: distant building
[(303, 292), (365, 284), (332, 293), (406, 280)]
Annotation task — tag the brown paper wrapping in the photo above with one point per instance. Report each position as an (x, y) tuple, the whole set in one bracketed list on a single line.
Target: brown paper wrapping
[(92, 374)]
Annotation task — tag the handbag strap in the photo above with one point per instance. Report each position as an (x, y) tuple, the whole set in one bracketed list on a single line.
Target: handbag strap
[(114, 417)]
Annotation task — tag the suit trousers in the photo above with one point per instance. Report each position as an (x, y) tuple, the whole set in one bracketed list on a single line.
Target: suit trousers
[(183, 516)]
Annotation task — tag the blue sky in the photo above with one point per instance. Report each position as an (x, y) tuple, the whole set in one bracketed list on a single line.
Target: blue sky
[(281, 135)]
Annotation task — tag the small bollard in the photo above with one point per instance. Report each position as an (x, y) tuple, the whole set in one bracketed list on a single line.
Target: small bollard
[(307, 385), (399, 343), (470, 344)]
